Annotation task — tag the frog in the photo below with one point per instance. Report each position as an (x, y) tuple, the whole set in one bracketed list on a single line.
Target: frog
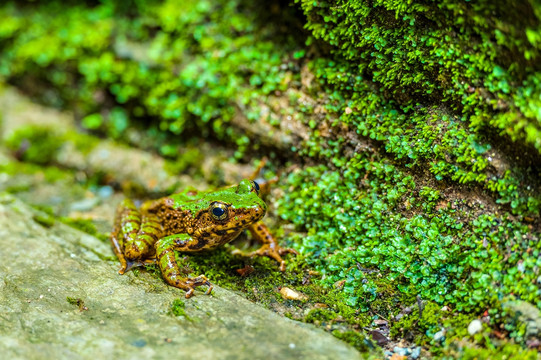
[(191, 221)]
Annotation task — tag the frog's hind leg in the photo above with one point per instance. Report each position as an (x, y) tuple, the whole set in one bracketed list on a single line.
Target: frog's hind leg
[(134, 236), (269, 245)]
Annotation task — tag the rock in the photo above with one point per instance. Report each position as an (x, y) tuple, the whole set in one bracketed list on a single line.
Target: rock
[(416, 353), (379, 338), (85, 204), (401, 351), (440, 335), (475, 326), (105, 192), (290, 294), (129, 316)]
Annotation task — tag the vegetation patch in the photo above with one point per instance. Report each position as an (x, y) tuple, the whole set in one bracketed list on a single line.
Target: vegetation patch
[(85, 225), (77, 302), (178, 308)]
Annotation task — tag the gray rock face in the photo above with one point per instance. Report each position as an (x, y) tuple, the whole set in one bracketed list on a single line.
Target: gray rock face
[(128, 317)]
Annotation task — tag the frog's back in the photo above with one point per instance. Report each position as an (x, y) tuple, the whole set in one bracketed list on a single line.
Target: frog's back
[(187, 195)]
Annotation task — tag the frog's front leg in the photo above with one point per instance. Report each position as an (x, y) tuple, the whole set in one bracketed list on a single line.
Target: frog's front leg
[(269, 247), (134, 235), (165, 255)]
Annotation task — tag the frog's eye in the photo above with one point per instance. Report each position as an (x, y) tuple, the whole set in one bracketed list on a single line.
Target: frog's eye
[(256, 186), (218, 211)]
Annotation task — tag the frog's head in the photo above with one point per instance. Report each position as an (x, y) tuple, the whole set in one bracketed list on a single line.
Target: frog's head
[(233, 209)]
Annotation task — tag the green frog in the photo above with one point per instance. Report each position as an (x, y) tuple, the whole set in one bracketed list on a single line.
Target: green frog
[(189, 222)]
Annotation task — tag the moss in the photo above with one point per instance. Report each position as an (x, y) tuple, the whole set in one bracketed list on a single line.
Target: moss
[(35, 144), (320, 316), (85, 225), (77, 302), (239, 63), (16, 188), (355, 339), (40, 145), (182, 160), (178, 308), (421, 329), (423, 253), (51, 174), (44, 220)]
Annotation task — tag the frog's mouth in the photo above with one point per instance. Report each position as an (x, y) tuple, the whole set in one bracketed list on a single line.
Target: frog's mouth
[(247, 216)]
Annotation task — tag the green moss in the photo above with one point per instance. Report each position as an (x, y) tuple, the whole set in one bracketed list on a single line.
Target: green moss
[(85, 225), (353, 232), (51, 173), (77, 302), (182, 161), (44, 220), (238, 63), (423, 327), (40, 145), (320, 316), (506, 352), (178, 308), (35, 144), (355, 339)]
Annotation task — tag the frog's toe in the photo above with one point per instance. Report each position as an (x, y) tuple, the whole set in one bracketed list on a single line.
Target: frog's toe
[(189, 293), (200, 280), (131, 264), (283, 251)]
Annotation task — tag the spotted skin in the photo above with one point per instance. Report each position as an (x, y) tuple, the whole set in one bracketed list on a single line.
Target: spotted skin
[(188, 222)]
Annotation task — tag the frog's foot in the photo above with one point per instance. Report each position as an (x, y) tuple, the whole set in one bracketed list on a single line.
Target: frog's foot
[(275, 253), (128, 264), (191, 283), (270, 251)]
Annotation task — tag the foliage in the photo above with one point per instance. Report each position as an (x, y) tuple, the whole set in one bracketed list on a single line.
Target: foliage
[(203, 59)]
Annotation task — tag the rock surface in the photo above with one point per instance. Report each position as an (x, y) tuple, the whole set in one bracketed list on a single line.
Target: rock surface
[(127, 316)]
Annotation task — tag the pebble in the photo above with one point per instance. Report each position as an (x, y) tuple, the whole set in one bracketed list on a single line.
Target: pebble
[(416, 353), (475, 326), (401, 351), (105, 191), (439, 336), (290, 294)]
